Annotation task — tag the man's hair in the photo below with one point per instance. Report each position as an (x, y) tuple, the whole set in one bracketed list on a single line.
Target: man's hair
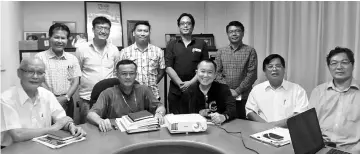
[(59, 26), (125, 62), (338, 50), (269, 58), (237, 24), (188, 15), (146, 23), (208, 61), (101, 20)]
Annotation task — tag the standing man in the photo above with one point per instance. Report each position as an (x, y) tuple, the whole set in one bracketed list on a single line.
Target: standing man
[(237, 64), (337, 102), (97, 60), (148, 58), (62, 69), (181, 59)]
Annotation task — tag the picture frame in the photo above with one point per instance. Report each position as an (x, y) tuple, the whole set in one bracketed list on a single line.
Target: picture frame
[(35, 35), (171, 37), (110, 10), (208, 39), (130, 27), (70, 24)]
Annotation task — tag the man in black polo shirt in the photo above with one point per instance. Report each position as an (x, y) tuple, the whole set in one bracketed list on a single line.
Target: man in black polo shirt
[(181, 59)]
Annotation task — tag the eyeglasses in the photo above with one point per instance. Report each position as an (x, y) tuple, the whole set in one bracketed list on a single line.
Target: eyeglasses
[(126, 74), (31, 73), (99, 28), (271, 67), (185, 23), (237, 31), (335, 63)]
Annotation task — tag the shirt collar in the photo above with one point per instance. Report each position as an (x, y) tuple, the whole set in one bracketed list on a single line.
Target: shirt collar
[(51, 54), (91, 44), (181, 41), (23, 97), (284, 85), (238, 48), (135, 47), (354, 84)]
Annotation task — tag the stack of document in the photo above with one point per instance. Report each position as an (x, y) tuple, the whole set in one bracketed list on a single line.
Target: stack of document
[(57, 139), (125, 123)]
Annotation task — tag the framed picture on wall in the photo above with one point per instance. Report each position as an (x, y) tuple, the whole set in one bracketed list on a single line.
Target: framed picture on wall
[(76, 39), (35, 35), (70, 24), (208, 39), (110, 10), (130, 27), (170, 37)]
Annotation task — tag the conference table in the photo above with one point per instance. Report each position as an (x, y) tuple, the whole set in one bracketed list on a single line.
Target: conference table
[(114, 141)]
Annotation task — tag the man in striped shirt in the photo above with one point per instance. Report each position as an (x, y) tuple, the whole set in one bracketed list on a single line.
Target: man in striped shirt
[(148, 58), (237, 64)]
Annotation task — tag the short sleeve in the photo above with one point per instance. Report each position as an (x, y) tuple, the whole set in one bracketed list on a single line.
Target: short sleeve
[(77, 71), (314, 98), (251, 104), (57, 111), (101, 104), (9, 117), (302, 102), (169, 54)]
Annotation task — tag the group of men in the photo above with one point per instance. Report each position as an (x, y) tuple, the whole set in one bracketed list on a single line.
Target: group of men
[(220, 90)]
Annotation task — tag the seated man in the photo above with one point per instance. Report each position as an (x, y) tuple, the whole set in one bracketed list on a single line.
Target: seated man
[(337, 102), (28, 111), (208, 98), (124, 98), (275, 100)]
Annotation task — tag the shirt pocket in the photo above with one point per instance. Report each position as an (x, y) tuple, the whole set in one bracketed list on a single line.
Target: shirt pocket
[(153, 62), (353, 114)]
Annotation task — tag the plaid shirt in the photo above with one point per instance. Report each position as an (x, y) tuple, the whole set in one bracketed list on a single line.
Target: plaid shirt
[(147, 61), (59, 70), (237, 68)]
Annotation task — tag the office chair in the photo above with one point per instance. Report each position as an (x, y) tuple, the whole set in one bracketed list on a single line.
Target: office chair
[(101, 86)]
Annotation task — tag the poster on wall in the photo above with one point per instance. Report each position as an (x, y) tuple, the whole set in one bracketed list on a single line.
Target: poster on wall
[(110, 10)]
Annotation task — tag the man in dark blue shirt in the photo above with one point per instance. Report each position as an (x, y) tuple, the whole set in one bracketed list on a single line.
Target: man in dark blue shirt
[(181, 59)]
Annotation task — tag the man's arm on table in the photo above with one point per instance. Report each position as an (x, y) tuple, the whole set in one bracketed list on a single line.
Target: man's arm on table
[(98, 109)]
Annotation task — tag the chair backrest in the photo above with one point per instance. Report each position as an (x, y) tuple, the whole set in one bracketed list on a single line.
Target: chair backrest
[(101, 86)]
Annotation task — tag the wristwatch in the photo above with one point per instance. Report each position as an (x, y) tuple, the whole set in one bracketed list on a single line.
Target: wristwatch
[(67, 97)]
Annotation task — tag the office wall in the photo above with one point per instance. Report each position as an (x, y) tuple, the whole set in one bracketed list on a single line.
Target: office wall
[(10, 34)]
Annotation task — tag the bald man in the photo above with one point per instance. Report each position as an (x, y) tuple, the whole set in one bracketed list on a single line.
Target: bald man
[(29, 110)]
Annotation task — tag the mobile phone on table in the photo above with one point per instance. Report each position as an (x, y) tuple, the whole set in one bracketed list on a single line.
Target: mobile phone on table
[(273, 136)]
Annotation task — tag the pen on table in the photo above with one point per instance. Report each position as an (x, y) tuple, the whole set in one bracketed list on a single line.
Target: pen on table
[(284, 101)]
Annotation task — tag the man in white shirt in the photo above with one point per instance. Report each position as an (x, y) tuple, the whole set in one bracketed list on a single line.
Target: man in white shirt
[(29, 111), (97, 60), (149, 58), (275, 100)]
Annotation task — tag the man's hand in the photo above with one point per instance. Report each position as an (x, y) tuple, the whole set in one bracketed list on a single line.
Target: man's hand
[(204, 112), (62, 122), (185, 85), (234, 93), (76, 131), (105, 125), (160, 117), (62, 100), (217, 118)]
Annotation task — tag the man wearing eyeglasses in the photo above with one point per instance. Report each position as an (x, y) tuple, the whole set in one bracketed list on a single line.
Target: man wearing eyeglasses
[(30, 111), (62, 69), (181, 59), (275, 100), (337, 102), (124, 98), (97, 60), (237, 64), (148, 57)]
